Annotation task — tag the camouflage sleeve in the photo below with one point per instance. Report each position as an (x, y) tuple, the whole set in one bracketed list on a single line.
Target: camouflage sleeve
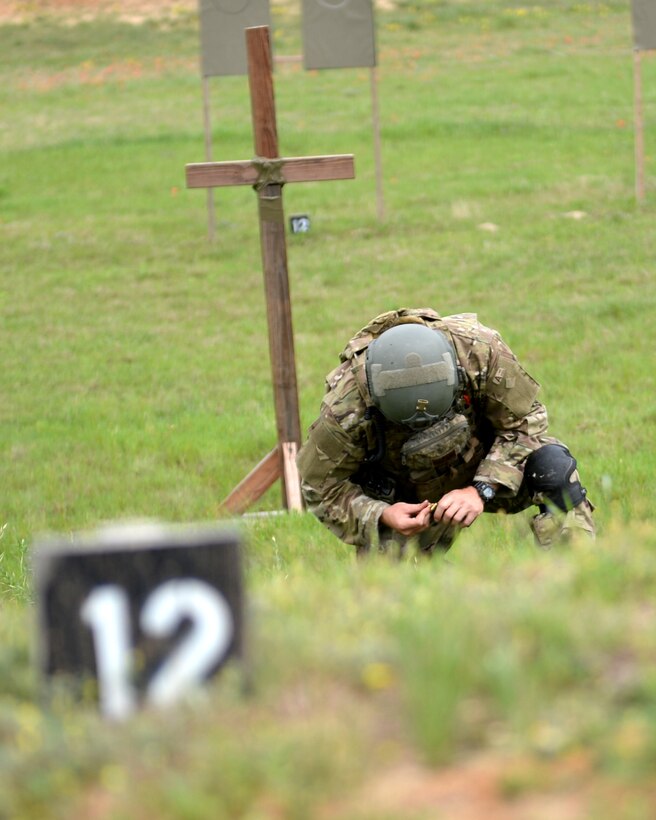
[(326, 462), (517, 417)]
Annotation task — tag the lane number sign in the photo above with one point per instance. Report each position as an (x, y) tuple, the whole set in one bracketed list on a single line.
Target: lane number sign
[(299, 223), (146, 613)]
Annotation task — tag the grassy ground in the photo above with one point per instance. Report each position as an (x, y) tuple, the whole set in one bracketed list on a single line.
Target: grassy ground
[(136, 383)]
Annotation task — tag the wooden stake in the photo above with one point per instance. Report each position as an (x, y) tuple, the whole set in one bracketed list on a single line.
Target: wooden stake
[(290, 472), (375, 113), (639, 127), (211, 219), (256, 483)]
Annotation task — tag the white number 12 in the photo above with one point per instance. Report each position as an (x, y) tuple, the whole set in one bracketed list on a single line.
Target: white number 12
[(107, 612)]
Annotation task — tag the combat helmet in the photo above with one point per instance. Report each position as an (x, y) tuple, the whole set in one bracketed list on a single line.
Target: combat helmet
[(412, 374)]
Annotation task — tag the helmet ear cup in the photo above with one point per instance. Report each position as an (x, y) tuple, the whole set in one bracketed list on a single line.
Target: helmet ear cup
[(412, 374)]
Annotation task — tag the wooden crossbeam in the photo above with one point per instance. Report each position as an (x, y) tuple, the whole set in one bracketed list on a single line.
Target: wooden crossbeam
[(292, 169)]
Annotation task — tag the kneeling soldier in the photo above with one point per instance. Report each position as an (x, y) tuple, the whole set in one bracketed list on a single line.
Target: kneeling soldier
[(428, 422)]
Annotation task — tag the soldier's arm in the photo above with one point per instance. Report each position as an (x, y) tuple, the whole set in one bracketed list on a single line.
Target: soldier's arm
[(326, 462), (516, 415)]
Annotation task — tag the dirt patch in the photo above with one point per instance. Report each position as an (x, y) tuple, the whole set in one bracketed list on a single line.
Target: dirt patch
[(70, 12), (483, 786)]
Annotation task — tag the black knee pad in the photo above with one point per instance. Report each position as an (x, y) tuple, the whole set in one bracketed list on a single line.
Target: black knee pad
[(548, 471)]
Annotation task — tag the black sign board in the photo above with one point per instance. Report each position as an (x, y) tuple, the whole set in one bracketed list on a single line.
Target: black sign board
[(338, 34), (144, 612), (644, 24), (299, 223), (222, 24)]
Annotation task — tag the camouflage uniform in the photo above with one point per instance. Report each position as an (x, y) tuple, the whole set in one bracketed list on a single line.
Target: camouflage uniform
[(343, 482)]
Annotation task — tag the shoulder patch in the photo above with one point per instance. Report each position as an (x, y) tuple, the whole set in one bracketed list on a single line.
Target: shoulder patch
[(511, 386), (344, 400)]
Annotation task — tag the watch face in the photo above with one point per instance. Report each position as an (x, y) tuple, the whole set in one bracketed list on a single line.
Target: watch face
[(486, 492)]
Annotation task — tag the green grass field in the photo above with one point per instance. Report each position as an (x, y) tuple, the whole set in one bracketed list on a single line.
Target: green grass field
[(136, 384)]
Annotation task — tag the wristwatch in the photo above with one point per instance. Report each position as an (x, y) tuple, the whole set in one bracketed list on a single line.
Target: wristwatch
[(485, 491)]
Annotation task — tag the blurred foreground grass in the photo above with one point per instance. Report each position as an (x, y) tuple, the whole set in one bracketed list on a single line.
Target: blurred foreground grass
[(542, 662)]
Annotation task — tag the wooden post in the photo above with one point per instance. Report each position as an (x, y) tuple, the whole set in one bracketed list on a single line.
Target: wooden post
[(639, 127), (268, 172), (272, 239), (375, 114), (211, 220)]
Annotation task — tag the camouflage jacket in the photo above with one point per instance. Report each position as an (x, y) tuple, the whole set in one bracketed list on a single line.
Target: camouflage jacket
[(496, 396)]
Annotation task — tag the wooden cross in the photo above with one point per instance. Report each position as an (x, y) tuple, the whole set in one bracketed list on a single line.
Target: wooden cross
[(268, 173)]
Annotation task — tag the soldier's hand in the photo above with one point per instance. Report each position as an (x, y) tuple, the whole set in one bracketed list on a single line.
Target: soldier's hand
[(460, 507), (408, 519)]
